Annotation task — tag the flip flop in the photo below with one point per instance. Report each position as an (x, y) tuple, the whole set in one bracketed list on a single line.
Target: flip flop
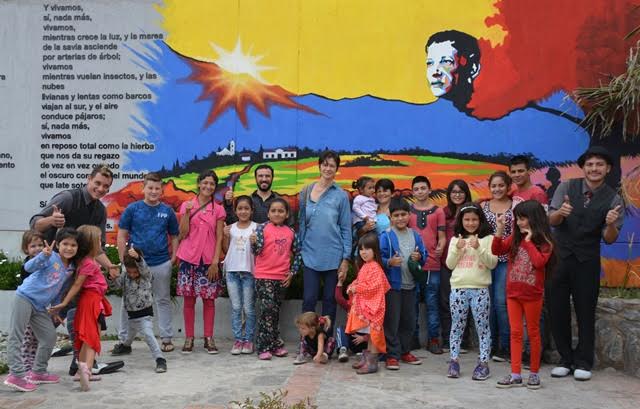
[(167, 347)]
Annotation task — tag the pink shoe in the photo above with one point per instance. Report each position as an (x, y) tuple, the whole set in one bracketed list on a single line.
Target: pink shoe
[(247, 347), (280, 352), (20, 384), (237, 348), (39, 378), (265, 356)]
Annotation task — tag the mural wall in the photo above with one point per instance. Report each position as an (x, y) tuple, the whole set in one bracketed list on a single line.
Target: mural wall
[(443, 90)]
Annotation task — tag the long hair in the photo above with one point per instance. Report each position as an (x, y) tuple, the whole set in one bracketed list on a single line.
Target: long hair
[(451, 207), (89, 241), (540, 230), (314, 320), (484, 228), (369, 241)]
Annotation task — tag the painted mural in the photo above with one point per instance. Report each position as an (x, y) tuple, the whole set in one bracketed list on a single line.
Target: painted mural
[(443, 90)]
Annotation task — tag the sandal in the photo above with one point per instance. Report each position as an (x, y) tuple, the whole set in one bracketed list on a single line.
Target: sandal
[(188, 345), (167, 346)]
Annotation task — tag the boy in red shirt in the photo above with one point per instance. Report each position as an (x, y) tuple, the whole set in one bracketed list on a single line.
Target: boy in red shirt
[(429, 221), (520, 172)]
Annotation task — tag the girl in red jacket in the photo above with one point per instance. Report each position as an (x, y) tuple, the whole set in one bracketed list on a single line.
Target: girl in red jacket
[(529, 249)]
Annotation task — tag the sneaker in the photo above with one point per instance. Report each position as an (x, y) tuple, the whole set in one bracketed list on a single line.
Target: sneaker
[(210, 345), (526, 360), (410, 359), (20, 384), (62, 351), (509, 381), (581, 375), (434, 347), (481, 372), (187, 348), (265, 356), (161, 365), (236, 349), (454, 369), (120, 349), (342, 355), (38, 378), (534, 381), (247, 347), (73, 368), (560, 372), (392, 364), (302, 359), (280, 352), (500, 355)]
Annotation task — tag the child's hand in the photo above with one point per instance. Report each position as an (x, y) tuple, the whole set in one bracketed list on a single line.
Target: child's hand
[(461, 243), (359, 339), (527, 233), (188, 206), (227, 231), (500, 221), (287, 281), (396, 260), (318, 358), (114, 272), (57, 319), (213, 273), (54, 310), (253, 238), (415, 255), (473, 241), (48, 248), (134, 254), (351, 290)]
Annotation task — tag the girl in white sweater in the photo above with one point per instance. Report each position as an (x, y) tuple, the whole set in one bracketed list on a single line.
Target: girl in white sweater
[(471, 260)]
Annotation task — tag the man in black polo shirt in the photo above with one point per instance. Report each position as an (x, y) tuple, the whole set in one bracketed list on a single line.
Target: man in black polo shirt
[(260, 197), (583, 211), (73, 208)]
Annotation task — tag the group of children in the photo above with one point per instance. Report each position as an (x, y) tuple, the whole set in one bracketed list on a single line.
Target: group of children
[(392, 268)]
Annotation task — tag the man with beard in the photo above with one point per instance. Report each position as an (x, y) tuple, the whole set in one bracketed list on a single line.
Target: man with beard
[(260, 197)]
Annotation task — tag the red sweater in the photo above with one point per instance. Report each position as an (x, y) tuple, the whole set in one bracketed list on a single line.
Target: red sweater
[(525, 273)]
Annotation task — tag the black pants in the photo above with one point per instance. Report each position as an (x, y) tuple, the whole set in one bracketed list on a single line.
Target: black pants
[(399, 321), (579, 281)]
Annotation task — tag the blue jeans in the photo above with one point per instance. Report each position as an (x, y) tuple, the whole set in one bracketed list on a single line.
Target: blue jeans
[(311, 281), (240, 286), (499, 317), (431, 292)]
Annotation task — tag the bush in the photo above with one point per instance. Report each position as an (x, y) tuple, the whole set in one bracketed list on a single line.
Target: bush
[(274, 401), (9, 273)]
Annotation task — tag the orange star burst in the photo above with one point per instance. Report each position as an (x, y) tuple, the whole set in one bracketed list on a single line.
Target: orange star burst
[(234, 81)]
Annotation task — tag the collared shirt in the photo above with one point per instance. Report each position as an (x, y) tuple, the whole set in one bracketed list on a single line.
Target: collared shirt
[(64, 201), (260, 209), (325, 228), (200, 243), (563, 190)]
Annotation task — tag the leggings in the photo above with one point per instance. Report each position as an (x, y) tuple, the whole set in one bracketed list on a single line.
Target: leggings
[(208, 316), (478, 299), (531, 311)]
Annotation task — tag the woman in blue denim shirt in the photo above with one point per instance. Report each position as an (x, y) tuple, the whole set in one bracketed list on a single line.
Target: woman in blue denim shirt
[(325, 231)]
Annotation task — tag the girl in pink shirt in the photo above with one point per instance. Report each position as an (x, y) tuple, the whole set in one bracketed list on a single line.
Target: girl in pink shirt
[(201, 227), (273, 244), (92, 307)]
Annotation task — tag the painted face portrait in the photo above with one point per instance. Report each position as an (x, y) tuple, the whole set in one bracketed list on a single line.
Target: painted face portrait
[(442, 67)]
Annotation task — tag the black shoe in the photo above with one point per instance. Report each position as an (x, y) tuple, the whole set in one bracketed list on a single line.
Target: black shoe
[(73, 368), (103, 369), (120, 349), (161, 365)]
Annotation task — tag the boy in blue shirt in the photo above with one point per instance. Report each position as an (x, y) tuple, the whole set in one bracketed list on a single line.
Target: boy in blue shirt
[(398, 246), (147, 224)]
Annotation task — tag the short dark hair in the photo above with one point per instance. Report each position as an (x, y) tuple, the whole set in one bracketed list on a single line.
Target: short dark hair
[(263, 166), (385, 184), (501, 174), (152, 177), (329, 154), (520, 160), (278, 200), (361, 182), (102, 169), (399, 204), (421, 179), (243, 198), (206, 174)]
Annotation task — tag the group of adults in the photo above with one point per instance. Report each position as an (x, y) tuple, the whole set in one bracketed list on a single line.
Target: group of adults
[(583, 211)]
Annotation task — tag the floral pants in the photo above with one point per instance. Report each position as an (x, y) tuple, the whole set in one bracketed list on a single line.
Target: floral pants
[(478, 299), (268, 301)]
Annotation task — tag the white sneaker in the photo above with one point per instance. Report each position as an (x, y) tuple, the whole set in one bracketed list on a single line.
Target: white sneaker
[(581, 375), (342, 355), (560, 372)]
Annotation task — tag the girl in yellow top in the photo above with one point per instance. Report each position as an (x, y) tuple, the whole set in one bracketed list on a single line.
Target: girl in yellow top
[(471, 260)]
